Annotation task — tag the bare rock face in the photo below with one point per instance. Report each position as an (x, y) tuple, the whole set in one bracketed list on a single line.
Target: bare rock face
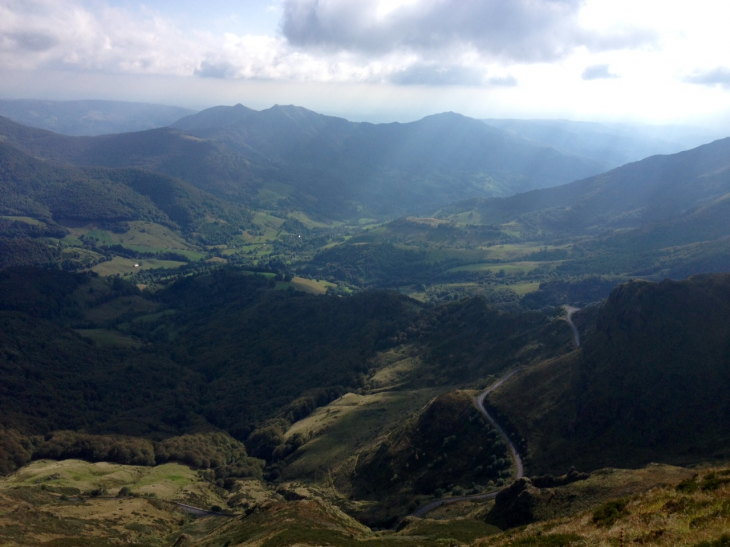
[(517, 504), (548, 481), (527, 500)]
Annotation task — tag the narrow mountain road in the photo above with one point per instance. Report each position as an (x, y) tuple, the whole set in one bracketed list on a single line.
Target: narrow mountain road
[(576, 335), (421, 511), (512, 448)]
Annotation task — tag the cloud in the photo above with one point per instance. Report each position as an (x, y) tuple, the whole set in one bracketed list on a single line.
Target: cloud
[(719, 76), (52, 34), (513, 30), (32, 41), (504, 81), (425, 74), (212, 70), (402, 42), (598, 72)]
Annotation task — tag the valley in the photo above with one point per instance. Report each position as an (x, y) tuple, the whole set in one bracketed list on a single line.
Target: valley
[(314, 331)]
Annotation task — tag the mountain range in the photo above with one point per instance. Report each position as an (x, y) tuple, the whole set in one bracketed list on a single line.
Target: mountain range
[(290, 157)]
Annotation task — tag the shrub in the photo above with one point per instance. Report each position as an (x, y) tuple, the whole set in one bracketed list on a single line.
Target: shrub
[(548, 540), (722, 541), (610, 512), (688, 485)]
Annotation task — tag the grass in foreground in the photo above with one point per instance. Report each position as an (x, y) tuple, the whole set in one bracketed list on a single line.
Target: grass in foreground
[(694, 512), (76, 503)]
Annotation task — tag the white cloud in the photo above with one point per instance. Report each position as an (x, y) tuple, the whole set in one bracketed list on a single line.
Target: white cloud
[(719, 76), (515, 30), (427, 42), (64, 34), (377, 55), (598, 72)]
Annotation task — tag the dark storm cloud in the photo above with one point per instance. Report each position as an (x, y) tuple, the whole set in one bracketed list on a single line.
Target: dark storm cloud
[(597, 72), (719, 76), (425, 74), (31, 41), (518, 30)]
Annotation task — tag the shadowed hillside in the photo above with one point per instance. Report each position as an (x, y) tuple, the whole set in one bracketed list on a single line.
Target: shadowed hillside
[(614, 144), (53, 194), (636, 194), (387, 166), (650, 384)]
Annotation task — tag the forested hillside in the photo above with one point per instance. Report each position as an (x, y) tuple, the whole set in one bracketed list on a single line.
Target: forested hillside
[(51, 196), (325, 166)]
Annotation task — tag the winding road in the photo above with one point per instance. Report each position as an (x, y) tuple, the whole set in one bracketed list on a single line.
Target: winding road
[(576, 335), (421, 511)]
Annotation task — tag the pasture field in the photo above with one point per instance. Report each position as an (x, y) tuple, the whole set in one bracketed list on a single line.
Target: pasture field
[(26, 220), (512, 252), (394, 368), (126, 266), (468, 217), (428, 221), (269, 228), (80, 256), (524, 288), (310, 286), (170, 481), (438, 255), (343, 428), (33, 512), (141, 236), (509, 268), (310, 222)]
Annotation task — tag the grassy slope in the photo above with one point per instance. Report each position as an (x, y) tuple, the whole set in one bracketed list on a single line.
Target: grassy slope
[(659, 505), (342, 429), (32, 513), (694, 512)]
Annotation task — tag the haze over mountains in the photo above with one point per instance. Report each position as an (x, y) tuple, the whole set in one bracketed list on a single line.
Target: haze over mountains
[(611, 144), (91, 117), (331, 167), (328, 166), (414, 164), (630, 196)]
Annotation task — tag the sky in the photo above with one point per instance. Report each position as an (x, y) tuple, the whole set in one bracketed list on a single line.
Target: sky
[(650, 61)]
